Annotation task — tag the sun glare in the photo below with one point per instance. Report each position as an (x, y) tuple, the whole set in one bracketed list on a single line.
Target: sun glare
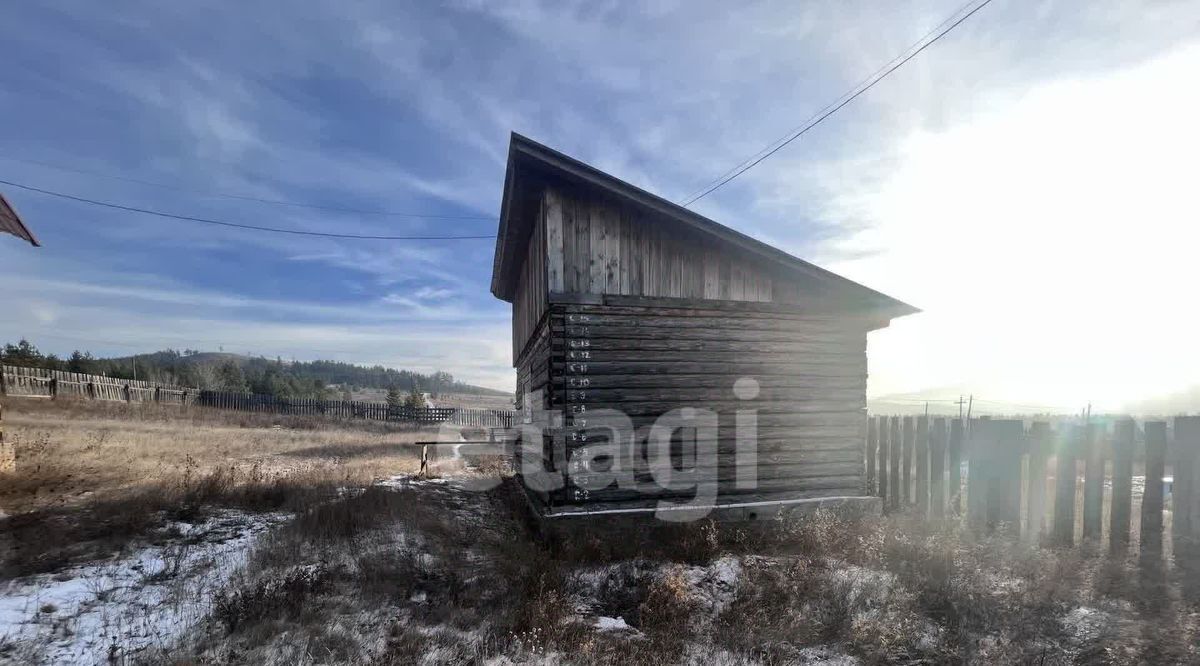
[(1052, 245)]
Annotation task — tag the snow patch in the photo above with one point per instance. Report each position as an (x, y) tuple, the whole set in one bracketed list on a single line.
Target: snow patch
[(410, 481), (1084, 623), (612, 624), (113, 610), (862, 584), (823, 655), (715, 586)]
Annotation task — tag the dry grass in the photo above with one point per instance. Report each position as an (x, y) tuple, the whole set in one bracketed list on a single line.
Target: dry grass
[(447, 577), (69, 450), (432, 573), (93, 477)]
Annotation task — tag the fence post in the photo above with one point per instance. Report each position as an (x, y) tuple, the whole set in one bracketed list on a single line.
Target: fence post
[(1185, 525), (897, 447), (977, 483), (937, 468), (53, 388), (872, 443), (1152, 489), (906, 490), (995, 473), (922, 455), (884, 454), (1041, 443), (954, 466), (3, 381), (1064, 487), (1122, 486), (8, 452), (1093, 481)]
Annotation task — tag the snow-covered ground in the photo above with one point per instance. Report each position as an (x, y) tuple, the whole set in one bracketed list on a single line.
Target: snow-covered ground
[(110, 611), (158, 597)]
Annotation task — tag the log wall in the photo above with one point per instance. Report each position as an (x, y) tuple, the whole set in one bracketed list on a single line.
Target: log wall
[(617, 310), (645, 360)]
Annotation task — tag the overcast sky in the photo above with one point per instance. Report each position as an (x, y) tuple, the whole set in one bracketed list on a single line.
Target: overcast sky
[(1029, 181)]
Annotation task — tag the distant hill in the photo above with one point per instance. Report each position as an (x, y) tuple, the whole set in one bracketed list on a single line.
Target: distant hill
[(235, 372)]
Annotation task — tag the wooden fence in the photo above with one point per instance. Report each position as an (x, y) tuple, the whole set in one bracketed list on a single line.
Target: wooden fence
[(40, 383), (1059, 484)]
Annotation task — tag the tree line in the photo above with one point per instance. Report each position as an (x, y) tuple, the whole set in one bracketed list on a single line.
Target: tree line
[(228, 372)]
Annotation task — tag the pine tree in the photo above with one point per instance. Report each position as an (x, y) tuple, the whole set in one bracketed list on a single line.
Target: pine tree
[(394, 399), (80, 362), (415, 398), (231, 378), (23, 353)]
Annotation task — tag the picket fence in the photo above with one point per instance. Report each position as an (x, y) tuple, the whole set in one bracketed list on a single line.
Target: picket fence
[(1060, 484), (42, 383)]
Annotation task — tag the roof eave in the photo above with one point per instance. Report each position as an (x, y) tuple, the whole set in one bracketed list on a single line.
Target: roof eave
[(502, 287), (523, 147), (20, 231)]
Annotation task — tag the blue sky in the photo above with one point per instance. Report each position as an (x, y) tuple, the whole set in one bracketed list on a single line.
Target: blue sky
[(407, 107)]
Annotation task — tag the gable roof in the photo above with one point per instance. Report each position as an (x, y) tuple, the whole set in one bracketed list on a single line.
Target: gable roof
[(530, 162), (11, 223)]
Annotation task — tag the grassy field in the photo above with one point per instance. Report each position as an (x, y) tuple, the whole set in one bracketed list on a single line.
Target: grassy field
[(473, 400), (139, 535)]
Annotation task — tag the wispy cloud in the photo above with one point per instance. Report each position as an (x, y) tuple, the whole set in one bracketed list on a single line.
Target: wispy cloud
[(407, 107)]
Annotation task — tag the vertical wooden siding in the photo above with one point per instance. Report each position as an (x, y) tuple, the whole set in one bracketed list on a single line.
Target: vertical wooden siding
[(597, 246), (529, 304)]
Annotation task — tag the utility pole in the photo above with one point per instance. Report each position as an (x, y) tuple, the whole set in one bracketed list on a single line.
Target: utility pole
[(960, 404)]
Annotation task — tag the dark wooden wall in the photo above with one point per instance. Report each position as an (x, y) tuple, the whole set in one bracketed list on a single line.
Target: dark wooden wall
[(597, 246), (529, 304), (646, 360), (618, 311)]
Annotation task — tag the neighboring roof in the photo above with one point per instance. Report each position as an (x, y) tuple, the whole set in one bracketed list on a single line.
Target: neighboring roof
[(11, 223), (528, 158)]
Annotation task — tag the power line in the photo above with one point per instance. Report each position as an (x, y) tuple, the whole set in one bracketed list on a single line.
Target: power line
[(863, 82), (242, 197), (915, 401), (848, 97), (235, 225), (1005, 403)]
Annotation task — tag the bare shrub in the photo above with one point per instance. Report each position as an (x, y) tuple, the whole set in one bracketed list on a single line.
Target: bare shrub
[(668, 603), (286, 596)]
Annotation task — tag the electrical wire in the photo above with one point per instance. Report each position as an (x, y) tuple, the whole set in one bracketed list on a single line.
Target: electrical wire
[(235, 225), (861, 83), (833, 108), (242, 197)]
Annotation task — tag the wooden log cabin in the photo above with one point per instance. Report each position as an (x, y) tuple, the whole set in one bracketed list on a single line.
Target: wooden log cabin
[(622, 300)]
